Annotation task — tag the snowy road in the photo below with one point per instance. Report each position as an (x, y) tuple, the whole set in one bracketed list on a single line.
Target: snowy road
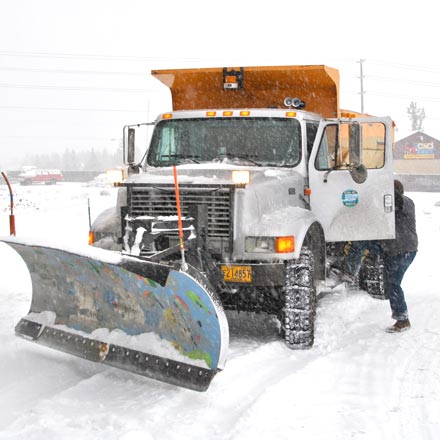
[(357, 382)]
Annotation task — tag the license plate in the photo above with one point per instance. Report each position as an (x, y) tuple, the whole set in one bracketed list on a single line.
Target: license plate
[(237, 274)]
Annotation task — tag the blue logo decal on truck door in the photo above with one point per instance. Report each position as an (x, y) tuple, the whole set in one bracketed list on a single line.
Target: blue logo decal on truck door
[(350, 198)]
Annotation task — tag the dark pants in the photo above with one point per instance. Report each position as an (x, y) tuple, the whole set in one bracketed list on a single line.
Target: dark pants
[(395, 268)]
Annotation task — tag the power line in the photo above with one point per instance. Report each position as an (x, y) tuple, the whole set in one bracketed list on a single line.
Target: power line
[(414, 67), (409, 81), (71, 72), (72, 88), (412, 97), (104, 57), (17, 107)]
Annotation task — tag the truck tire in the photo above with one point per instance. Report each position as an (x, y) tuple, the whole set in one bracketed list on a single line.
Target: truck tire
[(372, 277), (298, 314)]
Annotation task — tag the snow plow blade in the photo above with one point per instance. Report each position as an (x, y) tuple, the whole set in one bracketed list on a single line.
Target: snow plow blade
[(122, 311)]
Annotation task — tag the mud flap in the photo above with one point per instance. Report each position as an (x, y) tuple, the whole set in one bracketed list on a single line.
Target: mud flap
[(144, 317)]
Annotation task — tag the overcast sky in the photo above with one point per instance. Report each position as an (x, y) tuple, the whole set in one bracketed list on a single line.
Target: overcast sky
[(73, 73)]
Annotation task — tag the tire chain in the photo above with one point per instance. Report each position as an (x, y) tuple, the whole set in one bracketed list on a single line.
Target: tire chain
[(300, 302), (372, 278)]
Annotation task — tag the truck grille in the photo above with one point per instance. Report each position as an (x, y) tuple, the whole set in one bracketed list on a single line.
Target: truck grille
[(161, 201)]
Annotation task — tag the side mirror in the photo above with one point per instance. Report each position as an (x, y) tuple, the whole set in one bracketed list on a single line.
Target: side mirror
[(359, 173), (130, 145)]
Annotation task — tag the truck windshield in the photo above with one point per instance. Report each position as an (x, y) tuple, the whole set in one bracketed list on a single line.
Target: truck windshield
[(250, 141)]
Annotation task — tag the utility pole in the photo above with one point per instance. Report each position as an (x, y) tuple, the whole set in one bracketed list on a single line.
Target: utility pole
[(362, 84)]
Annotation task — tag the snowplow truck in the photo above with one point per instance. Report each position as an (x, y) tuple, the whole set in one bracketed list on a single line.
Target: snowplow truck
[(248, 187), (274, 177)]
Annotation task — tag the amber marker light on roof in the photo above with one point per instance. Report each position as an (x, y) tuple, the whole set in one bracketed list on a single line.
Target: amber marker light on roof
[(228, 113), (211, 114), (347, 114), (284, 245), (290, 114), (245, 113), (167, 116)]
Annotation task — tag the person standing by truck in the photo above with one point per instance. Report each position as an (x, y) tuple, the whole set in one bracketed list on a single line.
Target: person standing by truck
[(399, 253)]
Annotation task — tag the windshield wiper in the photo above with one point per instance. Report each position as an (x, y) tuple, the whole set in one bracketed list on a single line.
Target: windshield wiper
[(188, 159), (184, 158), (242, 156)]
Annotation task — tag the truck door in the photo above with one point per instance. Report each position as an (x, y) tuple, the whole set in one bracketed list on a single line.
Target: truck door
[(351, 179)]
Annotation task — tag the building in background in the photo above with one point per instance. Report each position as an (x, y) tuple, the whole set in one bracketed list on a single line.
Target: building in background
[(417, 162)]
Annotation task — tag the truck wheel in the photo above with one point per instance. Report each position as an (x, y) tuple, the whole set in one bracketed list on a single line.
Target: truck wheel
[(372, 277), (298, 314)]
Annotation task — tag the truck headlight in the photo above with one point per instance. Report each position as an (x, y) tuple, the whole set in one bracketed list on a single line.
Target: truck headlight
[(240, 178), (279, 245), (260, 244)]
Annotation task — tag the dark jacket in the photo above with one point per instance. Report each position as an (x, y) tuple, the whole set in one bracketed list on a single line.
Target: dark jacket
[(406, 235)]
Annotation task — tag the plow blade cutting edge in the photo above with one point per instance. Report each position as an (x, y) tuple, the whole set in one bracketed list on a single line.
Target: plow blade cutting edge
[(125, 312)]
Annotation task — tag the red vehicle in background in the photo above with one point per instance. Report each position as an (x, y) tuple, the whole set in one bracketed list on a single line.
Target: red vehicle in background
[(48, 177)]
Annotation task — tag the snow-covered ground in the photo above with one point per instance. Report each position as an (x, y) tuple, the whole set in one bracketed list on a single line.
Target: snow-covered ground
[(357, 382)]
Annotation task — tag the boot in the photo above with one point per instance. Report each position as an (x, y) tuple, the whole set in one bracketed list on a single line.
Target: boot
[(399, 326)]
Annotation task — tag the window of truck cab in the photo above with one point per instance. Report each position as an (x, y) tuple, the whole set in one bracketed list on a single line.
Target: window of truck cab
[(351, 143), (262, 141)]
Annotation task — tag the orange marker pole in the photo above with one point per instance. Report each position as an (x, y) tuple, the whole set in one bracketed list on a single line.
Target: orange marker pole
[(11, 217), (179, 217)]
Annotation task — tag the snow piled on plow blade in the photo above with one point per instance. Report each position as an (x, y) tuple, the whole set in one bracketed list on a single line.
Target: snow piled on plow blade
[(132, 314)]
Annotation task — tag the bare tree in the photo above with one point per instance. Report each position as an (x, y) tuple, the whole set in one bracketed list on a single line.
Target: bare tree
[(416, 115)]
